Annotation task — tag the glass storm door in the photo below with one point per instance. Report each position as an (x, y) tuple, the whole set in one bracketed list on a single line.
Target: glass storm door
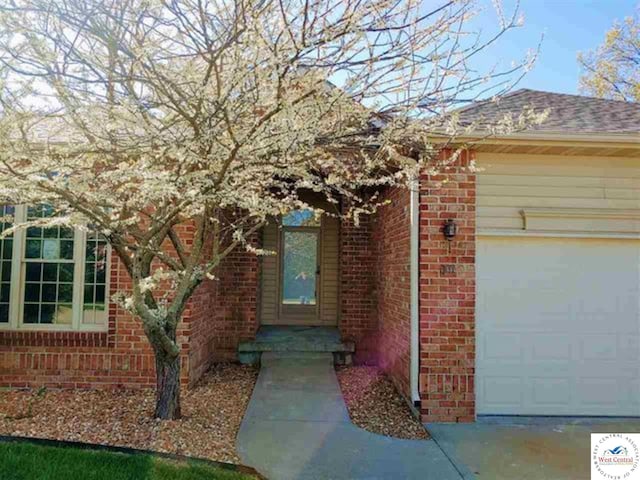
[(300, 271)]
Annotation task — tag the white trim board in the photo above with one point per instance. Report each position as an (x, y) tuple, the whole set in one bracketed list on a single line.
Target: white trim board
[(555, 234)]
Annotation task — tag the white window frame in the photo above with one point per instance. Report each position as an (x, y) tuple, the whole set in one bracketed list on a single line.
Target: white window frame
[(18, 272)]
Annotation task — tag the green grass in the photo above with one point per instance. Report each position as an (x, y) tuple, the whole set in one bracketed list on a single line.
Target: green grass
[(23, 461)]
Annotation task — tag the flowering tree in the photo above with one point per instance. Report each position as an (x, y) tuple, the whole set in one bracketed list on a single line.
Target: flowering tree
[(613, 69), (133, 117)]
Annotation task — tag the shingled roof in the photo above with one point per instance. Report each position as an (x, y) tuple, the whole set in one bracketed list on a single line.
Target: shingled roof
[(568, 114)]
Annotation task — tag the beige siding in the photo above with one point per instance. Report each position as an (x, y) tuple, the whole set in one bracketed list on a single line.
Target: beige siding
[(329, 271), (269, 274), (558, 194)]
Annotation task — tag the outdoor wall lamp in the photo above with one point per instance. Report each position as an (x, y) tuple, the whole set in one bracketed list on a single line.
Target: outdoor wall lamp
[(450, 229)]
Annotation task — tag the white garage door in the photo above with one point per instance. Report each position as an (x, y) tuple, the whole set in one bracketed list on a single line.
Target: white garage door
[(558, 326)]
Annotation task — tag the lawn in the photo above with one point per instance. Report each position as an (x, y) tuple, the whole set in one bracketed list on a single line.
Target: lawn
[(22, 461)]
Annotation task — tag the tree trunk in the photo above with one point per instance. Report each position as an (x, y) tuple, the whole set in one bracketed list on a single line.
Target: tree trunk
[(167, 387)]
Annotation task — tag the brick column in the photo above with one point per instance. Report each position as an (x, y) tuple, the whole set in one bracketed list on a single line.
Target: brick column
[(447, 295)]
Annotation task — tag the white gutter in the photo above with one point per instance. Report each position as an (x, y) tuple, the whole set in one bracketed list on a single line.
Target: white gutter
[(633, 139), (414, 278)]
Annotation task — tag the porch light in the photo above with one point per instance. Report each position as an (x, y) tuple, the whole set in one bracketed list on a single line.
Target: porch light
[(450, 229)]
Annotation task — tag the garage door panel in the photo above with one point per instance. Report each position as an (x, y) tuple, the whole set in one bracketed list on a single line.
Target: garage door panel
[(550, 347), (551, 391), (503, 346), (598, 391), (629, 347), (503, 391), (599, 347), (558, 326)]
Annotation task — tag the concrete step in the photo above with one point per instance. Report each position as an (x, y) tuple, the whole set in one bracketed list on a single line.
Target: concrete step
[(293, 340)]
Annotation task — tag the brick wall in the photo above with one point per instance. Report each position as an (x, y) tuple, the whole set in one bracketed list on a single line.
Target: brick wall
[(447, 299), (120, 357), (357, 319), (390, 236), (225, 311)]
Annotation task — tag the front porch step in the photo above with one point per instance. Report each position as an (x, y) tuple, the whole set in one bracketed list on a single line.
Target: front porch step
[(295, 340)]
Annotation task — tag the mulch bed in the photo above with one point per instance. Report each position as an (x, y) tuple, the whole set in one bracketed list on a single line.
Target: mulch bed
[(212, 413), (375, 405)]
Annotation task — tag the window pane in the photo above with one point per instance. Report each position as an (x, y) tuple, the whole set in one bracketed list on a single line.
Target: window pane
[(47, 312), (34, 272), (66, 233), (89, 272), (64, 314), (66, 249), (65, 293), (51, 232), (66, 272), (101, 273), (49, 271), (32, 292), (50, 249), (300, 264), (34, 249), (34, 232), (99, 294), (7, 248), (88, 294), (31, 313), (49, 292), (6, 271)]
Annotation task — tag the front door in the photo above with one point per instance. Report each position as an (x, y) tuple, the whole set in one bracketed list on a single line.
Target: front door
[(299, 268)]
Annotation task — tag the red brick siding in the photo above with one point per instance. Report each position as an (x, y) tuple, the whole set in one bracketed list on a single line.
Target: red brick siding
[(120, 357), (390, 234), (53, 339), (224, 311), (357, 320), (447, 300)]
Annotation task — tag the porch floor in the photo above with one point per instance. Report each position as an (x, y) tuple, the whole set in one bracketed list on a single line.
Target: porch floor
[(295, 339)]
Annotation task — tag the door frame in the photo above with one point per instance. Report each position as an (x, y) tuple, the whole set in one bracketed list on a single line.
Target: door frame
[(299, 316)]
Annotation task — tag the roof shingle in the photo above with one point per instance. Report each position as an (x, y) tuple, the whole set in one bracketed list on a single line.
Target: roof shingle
[(568, 114)]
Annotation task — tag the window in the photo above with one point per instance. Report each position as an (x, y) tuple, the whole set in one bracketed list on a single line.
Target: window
[(95, 281), (6, 253), (57, 277)]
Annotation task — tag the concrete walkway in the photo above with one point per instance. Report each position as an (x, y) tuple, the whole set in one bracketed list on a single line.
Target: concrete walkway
[(297, 427)]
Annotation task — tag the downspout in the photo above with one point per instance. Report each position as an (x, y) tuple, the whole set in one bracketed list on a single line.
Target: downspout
[(414, 279)]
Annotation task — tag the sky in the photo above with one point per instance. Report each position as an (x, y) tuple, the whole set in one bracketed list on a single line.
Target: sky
[(569, 26)]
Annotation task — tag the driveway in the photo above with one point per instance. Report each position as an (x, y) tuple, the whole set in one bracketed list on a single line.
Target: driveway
[(535, 449)]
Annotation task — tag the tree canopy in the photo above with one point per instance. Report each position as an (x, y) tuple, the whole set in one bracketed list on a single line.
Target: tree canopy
[(613, 69)]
